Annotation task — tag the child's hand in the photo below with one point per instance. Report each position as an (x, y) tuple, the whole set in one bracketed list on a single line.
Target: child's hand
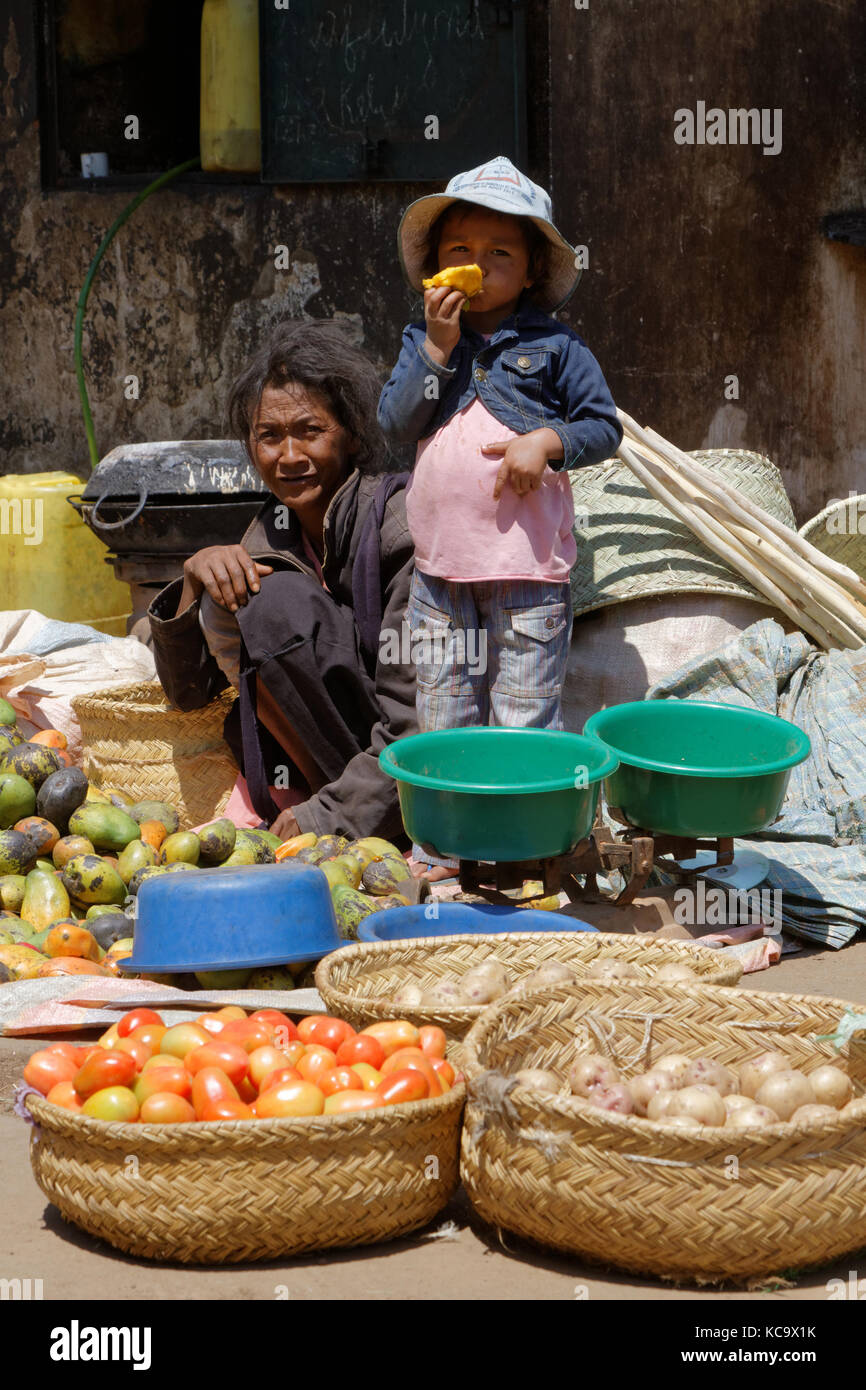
[(523, 464), (442, 311)]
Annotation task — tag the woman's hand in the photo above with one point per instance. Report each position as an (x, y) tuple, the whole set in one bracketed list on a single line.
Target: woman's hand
[(524, 460), (285, 826), (226, 572), (442, 311)]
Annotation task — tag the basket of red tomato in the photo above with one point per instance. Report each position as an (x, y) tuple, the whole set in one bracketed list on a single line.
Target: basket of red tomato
[(240, 1137)]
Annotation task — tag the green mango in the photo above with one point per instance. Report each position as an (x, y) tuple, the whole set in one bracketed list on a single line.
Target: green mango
[(46, 900), (263, 852), (266, 837), (17, 799), (32, 761), (353, 868), (156, 810), (381, 849), (142, 875), (135, 855), (351, 907), (9, 738), (183, 847), (360, 854), (271, 977), (332, 845), (385, 875), (7, 713), (311, 855), (336, 874), (391, 900), (16, 852), (88, 879), (106, 826), (12, 891), (223, 979), (7, 939), (241, 854), (217, 841)]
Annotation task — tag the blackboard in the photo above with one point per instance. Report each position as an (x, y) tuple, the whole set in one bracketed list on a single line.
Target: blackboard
[(348, 89)]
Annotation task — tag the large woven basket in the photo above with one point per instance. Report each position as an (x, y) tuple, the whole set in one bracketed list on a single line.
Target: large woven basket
[(358, 983), (250, 1190), (136, 743), (630, 546), (836, 531), (714, 1204)]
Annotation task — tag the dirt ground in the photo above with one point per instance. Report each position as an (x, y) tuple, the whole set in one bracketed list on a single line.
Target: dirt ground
[(462, 1261)]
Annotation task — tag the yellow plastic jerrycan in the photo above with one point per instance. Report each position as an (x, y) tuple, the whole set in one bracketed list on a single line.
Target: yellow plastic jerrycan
[(229, 112), (50, 561)]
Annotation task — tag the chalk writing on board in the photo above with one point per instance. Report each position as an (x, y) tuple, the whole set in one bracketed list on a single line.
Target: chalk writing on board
[(354, 37)]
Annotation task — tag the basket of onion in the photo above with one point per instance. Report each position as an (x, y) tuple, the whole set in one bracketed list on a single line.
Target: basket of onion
[(711, 1133), (450, 980)]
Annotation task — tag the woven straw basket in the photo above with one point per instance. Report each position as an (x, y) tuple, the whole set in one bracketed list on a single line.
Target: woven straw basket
[(836, 532), (630, 546), (713, 1204), (136, 743), (239, 1190), (358, 983)]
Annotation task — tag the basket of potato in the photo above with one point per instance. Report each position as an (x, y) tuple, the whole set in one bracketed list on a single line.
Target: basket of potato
[(711, 1133), (450, 980)]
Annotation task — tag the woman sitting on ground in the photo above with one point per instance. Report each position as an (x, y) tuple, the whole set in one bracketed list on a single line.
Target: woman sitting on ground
[(292, 615)]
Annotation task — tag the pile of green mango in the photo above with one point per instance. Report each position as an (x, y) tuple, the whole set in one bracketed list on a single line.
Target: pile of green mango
[(364, 875)]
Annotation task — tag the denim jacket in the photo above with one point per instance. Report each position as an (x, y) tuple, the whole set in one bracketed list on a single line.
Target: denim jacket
[(533, 372)]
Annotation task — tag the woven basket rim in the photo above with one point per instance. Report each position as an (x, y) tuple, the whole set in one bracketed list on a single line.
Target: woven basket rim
[(60, 1120), (608, 1122), (848, 547), (146, 695), (375, 950)]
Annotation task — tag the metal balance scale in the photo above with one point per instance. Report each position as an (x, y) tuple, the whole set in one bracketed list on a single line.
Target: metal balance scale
[(684, 778)]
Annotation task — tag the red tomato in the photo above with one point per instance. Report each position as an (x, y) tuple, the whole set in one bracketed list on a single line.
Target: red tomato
[(115, 1103), (324, 1031), (265, 1060), (432, 1040), (246, 1034), (162, 1059), (247, 1090), (135, 1019), (393, 1035), (211, 1024), (315, 1062), (65, 1095), (443, 1070), (292, 1098), (217, 1053), (64, 1049), (151, 1034), (182, 1038), (165, 1108), (111, 1069), (136, 1048), (282, 1026), (278, 1077), (340, 1079), (361, 1048), (226, 1110), (402, 1086), (414, 1059), (109, 1037), (370, 1076), (211, 1084), (175, 1079), (341, 1102)]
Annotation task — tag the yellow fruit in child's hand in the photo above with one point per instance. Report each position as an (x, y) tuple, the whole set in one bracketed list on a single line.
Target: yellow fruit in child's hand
[(457, 277)]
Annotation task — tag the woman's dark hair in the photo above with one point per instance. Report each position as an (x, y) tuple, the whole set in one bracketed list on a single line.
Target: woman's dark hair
[(315, 354), (536, 242)]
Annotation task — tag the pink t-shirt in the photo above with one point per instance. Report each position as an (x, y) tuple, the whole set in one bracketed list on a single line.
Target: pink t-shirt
[(461, 533)]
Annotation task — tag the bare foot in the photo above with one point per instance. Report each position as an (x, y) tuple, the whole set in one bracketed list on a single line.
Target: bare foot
[(434, 873)]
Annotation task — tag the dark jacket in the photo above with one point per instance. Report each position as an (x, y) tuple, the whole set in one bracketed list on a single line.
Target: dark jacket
[(363, 794), (533, 372)]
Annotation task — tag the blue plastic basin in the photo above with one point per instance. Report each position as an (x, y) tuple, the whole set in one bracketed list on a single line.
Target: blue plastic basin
[(401, 923), (228, 919)]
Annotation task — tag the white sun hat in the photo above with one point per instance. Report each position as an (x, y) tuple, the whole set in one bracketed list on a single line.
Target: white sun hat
[(500, 186)]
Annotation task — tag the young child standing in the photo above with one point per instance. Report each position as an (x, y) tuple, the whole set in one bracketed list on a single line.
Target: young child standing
[(502, 401)]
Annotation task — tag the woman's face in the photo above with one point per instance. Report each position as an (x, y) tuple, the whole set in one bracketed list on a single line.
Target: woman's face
[(301, 451)]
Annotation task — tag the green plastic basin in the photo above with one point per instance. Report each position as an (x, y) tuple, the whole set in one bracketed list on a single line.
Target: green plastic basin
[(498, 795), (696, 768)]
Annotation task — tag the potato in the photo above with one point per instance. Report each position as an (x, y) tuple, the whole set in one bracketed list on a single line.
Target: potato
[(610, 969), (408, 997), (644, 1087), (660, 1104), (700, 1103), (785, 1092), (673, 972), (704, 1071), (808, 1114), (735, 1102), (751, 1115), (591, 1070), (616, 1097), (753, 1074), (681, 1121), (553, 972), (831, 1085), (677, 1064), (484, 983), (445, 994), (538, 1079)]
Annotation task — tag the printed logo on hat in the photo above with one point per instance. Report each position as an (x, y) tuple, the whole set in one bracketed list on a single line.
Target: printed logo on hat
[(501, 177)]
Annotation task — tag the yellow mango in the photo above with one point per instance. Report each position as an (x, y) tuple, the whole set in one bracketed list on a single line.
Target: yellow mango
[(458, 277)]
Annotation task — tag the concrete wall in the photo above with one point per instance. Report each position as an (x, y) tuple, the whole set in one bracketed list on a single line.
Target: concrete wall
[(704, 261)]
